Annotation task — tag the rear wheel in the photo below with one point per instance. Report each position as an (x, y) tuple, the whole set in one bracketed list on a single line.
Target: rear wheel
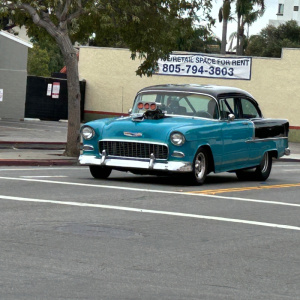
[(200, 167), (99, 172), (263, 171), (260, 173)]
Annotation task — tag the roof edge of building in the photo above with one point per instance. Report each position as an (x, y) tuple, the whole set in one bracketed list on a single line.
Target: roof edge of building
[(16, 39)]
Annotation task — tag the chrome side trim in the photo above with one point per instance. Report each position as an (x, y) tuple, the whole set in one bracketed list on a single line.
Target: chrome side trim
[(266, 140), (173, 166)]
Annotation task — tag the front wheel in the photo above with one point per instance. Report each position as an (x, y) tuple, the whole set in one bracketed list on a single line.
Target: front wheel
[(100, 172), (200, 167), (261, 173)]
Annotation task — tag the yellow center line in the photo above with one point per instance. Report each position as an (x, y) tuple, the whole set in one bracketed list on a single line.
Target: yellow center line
[(241, 189)]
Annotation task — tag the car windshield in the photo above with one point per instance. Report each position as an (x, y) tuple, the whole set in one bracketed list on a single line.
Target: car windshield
[(184, 104)]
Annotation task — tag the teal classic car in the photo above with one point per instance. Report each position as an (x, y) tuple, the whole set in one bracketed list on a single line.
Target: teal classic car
[(187, 129)]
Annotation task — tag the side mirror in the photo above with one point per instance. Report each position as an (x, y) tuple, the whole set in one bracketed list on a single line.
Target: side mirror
[(231, 117), (130, 111)]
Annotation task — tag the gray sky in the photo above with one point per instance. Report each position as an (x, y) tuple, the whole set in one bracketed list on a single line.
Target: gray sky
[(270, 13)]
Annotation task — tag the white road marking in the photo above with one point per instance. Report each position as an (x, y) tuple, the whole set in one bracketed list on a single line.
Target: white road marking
[(151, 191), (277, 165), (56, 176), (140, 210), (43, 169)]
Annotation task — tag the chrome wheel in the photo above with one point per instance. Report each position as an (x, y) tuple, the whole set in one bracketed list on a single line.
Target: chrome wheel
[(265, 163), (200, 165)]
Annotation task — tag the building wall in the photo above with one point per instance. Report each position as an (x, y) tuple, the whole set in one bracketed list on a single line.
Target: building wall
[(288, 12), (13, 77), (111, 83)]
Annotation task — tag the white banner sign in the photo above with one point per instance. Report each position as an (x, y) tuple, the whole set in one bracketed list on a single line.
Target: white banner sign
[(206, 66), (1, 95)]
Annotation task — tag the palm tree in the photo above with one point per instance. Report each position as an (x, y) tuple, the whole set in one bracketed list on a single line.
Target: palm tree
[(248, 11), (232, 37), (224, 15)]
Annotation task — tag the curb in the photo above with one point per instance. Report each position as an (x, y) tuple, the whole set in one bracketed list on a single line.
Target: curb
[(33, 145)]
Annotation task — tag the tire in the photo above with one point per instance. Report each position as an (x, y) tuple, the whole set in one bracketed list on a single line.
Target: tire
[(100, 172), (200, 167), (263, 171), (260, 173)]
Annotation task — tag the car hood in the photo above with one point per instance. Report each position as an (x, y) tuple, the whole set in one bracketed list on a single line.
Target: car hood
[(147, 129)]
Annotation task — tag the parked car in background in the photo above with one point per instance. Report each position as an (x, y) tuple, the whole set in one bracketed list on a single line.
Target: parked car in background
[(190, 130)]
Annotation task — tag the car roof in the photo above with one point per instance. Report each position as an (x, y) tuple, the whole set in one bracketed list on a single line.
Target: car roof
[(213, 90)]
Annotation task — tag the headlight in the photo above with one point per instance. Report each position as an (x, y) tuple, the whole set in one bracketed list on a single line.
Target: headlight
[(177, 138), (87, 132)]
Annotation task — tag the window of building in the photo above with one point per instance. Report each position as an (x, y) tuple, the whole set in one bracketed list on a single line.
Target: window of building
[(296, 8), (280, 9)]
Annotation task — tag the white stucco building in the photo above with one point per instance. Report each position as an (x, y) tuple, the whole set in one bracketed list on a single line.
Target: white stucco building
[(287, 10)]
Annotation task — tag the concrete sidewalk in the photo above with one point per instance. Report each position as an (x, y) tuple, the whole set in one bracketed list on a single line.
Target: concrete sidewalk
[(33, 143)]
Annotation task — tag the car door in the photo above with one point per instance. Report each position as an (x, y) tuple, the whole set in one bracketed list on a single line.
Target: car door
[(236, 134)]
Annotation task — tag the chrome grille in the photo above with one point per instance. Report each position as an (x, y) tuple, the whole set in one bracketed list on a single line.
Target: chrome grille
[(133, 149)]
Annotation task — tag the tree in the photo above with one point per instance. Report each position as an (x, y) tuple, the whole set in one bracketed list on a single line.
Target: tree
[(140, 23), (248, 11), (224, 15), (38, 60), (181, 34), (198, 40), (44, 58), (271, 40), (56, 60)]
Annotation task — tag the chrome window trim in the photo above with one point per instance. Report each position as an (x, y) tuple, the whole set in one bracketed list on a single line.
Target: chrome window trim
[(185, 92)]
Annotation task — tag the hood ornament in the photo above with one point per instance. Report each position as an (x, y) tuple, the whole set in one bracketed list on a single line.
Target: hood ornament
[(133, 134)]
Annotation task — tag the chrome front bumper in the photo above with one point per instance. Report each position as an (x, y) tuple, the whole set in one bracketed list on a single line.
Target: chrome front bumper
[(151, 164), (287, 151)]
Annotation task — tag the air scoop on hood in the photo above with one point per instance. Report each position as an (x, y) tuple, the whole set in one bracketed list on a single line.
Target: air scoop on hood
[(149, 114)]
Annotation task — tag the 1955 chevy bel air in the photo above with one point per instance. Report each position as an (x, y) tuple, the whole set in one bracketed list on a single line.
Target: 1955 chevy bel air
[(190, 130)]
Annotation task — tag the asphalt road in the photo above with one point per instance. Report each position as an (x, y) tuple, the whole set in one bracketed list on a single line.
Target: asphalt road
[(65, 235)]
